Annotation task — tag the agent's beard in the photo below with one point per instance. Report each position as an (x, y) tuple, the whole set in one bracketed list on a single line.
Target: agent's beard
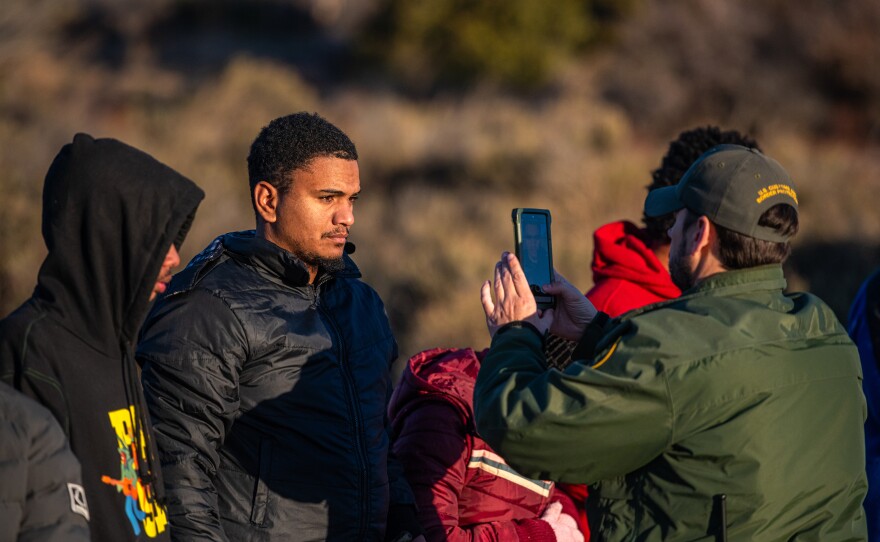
[(680, 269)]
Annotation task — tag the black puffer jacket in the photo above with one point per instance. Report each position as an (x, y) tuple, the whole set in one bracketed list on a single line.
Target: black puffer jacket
[(268, 398), (41, 493)]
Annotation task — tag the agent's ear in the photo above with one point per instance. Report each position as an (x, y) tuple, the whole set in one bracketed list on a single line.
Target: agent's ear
[(266, 201), (700, 235)]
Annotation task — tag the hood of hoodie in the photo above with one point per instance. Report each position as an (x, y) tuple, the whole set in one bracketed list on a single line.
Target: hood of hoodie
[(446, 374), (110, 214), (620, 252)]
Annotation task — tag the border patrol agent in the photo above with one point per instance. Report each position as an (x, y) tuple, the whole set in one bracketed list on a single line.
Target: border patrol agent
[(734, 412)]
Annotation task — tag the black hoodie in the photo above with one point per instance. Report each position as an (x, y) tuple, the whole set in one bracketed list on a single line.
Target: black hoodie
[(110, 214)]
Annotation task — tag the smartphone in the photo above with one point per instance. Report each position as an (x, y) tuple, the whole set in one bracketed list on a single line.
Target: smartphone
[(531, 233)]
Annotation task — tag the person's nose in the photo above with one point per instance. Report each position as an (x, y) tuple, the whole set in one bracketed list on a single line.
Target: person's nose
[(345, 214), (172, 259)]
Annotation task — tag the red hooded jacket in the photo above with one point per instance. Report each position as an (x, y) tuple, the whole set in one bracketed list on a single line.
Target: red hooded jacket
[(464, 491), (626, 273)]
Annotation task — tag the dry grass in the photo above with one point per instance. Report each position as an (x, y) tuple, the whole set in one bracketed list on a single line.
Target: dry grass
[(440, 177)]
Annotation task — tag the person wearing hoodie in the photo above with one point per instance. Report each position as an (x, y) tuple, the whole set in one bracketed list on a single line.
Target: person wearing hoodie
[(113, 219), (463, 489), (631, 264)]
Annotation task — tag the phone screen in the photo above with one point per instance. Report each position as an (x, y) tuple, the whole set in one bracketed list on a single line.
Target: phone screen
[(534, 251)]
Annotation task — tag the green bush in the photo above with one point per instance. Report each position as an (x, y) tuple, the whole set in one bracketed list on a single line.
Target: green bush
[(514, 43)]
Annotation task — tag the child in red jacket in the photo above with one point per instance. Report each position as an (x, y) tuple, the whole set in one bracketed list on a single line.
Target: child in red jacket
[(463, 489)]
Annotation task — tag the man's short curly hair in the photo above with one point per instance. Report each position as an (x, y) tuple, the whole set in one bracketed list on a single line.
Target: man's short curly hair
[(290, 143), (683, 152)]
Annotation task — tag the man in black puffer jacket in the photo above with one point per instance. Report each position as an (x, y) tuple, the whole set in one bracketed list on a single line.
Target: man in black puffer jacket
[(266, 364)]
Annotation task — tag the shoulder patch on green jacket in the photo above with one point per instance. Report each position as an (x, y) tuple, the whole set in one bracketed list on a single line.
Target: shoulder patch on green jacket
[(608, 344), (605, 355)]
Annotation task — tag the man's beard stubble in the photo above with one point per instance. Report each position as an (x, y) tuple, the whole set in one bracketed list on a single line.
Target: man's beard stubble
[(328, 265)]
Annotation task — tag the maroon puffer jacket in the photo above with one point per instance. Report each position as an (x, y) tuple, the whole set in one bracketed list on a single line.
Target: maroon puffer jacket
[(464, 490)]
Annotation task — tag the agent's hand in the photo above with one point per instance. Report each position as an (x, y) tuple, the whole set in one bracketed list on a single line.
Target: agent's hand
[(573, 310), (513, 298), (564, 526)]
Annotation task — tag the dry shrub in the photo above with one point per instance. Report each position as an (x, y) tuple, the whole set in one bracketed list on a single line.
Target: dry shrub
[(835, 182), (807, 66), (440, 176), (428, 237), (207, 136)]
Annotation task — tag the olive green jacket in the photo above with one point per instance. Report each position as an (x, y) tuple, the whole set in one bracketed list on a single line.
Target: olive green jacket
[(733, 389)]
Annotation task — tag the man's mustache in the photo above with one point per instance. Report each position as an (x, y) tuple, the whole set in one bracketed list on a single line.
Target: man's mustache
[(335, 233)]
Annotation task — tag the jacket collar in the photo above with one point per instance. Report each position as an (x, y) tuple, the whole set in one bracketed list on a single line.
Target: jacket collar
[(274, 260), (763, 277)]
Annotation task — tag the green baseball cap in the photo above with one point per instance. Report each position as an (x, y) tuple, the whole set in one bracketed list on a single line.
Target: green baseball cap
[(732, 186)]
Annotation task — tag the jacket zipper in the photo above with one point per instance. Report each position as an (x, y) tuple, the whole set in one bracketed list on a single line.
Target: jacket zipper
[(353, 411)]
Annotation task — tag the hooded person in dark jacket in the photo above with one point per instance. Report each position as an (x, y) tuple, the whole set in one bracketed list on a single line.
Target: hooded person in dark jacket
[(266, 364), (113, 218), (41, 496)]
